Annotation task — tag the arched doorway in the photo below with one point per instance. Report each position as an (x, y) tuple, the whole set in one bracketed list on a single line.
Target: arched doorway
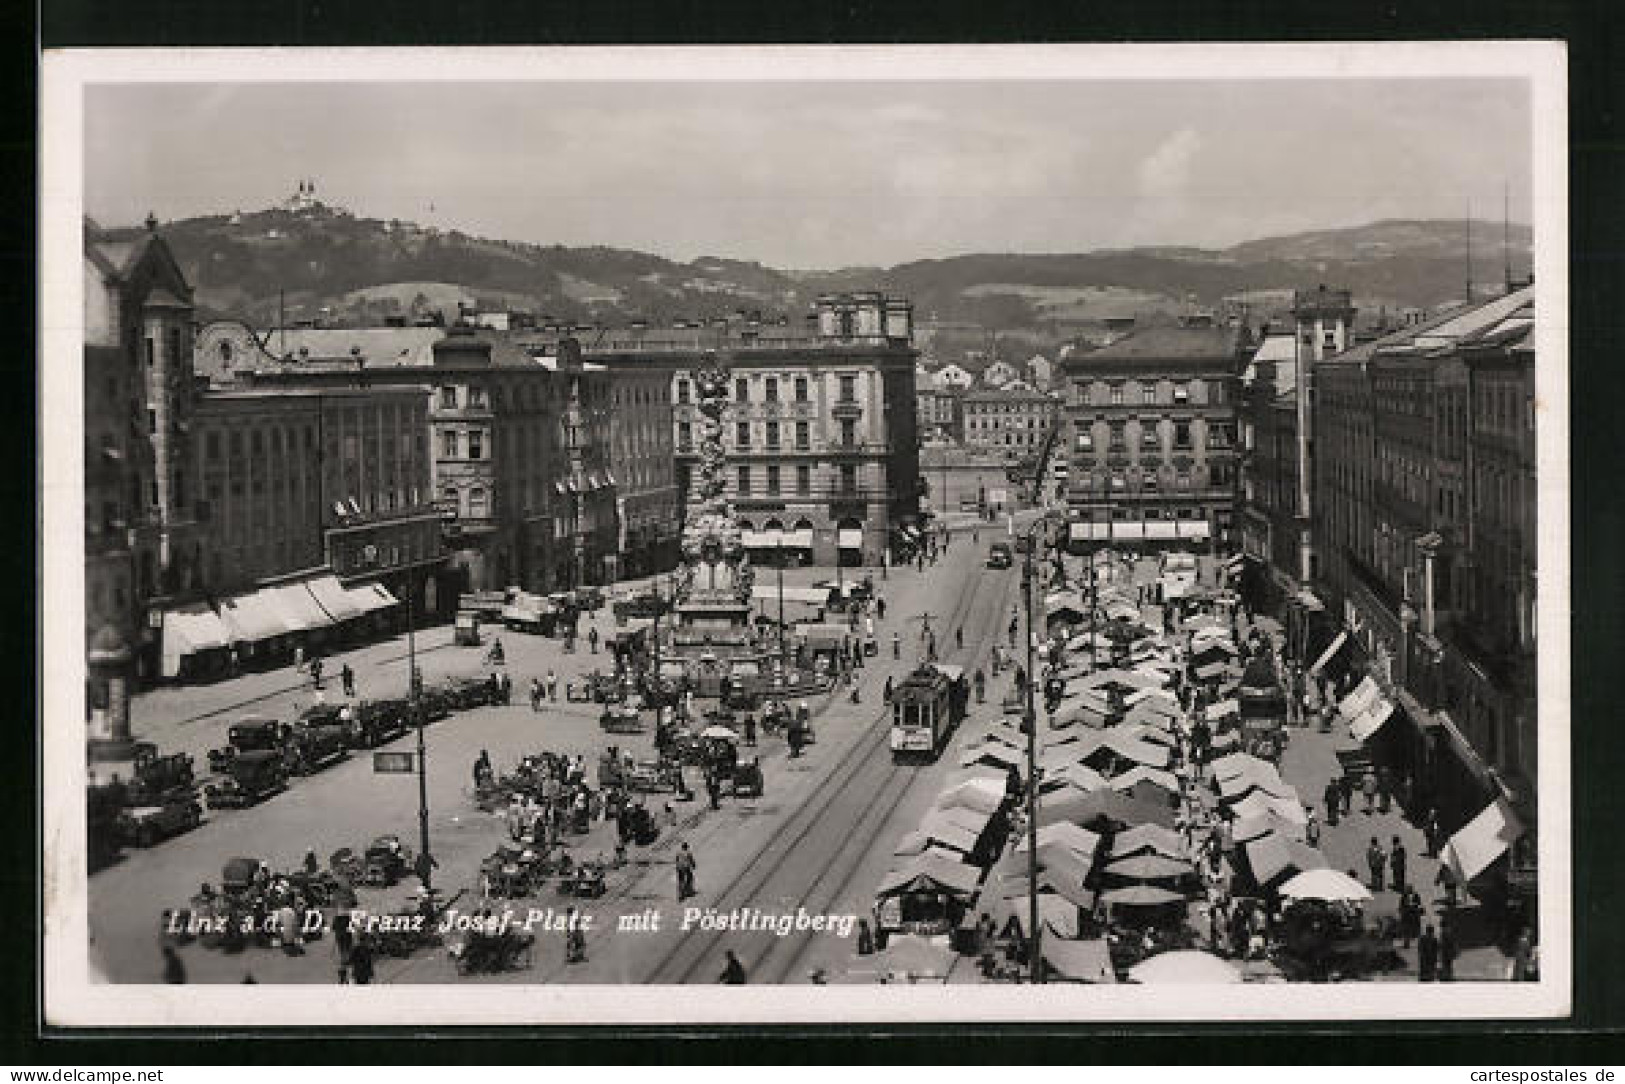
[(849, 542)]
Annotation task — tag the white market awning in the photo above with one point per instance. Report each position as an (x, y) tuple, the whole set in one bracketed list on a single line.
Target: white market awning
[(849, 538), (331, 596), (188, 630), (1485, 838)]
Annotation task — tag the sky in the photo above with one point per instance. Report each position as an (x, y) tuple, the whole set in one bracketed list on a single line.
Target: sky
[(824, 174)]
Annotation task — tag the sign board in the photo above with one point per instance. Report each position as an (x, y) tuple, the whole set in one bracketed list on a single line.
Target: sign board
[(394, 763)]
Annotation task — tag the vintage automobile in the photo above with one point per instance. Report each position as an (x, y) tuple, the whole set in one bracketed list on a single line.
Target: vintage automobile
[(435, 703), (374, 722), (745, 781), (590, 599), (250, 735), (640, 604), (317, 739), (251, 778), (621, 719), (466, 630), (145, 825), (999, 555), (155, 777), (103, 804), (468, 692)]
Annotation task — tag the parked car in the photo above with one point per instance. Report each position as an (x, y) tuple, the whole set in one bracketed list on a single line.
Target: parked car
[(999, 555), (145, 825), (249, 735), (590, 599), (374, 722), (252, 777), (317, 739)]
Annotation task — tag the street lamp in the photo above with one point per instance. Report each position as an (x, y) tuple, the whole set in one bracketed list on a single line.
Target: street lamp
[(1030, 715), (415, 683)]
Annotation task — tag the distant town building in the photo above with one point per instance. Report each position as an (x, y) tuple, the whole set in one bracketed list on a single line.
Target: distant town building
[(1040, 371), (955, 376), (998, 374), (1017, 422), (821, 438)]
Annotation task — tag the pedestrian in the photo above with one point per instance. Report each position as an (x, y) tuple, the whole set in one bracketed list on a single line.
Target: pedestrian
[(959, 637), (575, 939), (316, 672), (1447, 950), (174, 970), (734, 973), (535, 694), (347, 678), (880, 608), (361, 961), (343, 945), (1446, 880), (1410, 916), (1427, 955), (1377, 860), (750, 730), (1333, 797), (713, 788), (1396, 865), (1430, 831), (592, 639), (1385, 789), (685, 872), (1368, 787), (552, 686), (1311, 830), (866, 938), (1345, 787)]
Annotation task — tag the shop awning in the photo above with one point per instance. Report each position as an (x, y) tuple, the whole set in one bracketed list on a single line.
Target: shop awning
[(931, 873), (296, 607), (251, 618), (1355, 703), (188, 630), (1371, 721), (849, 538), (1079, 961), (371, 597), (331, 596), (761, 539), (1326, 656), (1485, 838)]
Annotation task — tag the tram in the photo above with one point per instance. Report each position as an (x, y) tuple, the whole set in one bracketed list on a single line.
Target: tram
[(926, 706)]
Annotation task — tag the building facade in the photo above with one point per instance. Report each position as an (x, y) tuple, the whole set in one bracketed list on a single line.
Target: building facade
[(1016, 422), (821, 433), (1151, 436), (1425, 524), (644, 464)]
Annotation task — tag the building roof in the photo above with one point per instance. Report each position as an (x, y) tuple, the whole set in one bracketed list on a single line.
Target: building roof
[(1163, 344), (1007, 395), (378, 345), (1447, 329)]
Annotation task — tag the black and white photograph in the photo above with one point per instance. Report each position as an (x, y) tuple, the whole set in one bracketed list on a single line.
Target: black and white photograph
[(894, 526)]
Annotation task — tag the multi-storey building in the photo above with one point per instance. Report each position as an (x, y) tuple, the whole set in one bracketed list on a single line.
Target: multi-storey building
[(1424, 523), (643, 463), (1278, 439), (1017, 422), (1151, 436), (939, 413), (821, 435)]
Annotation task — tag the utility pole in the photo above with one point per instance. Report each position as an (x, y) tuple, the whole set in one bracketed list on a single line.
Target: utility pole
[(1031, 715), (779, 553), (425, 863)]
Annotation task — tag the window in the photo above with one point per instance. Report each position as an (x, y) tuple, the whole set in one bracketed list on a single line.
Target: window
[(849, 432), (1086, 440), (773, 480), (476, 397), (211, 444), (1117, 395), (448, 442), (1182, 434), (1148, 438), (849, 389), (773, 435), (803, 479), (448, 398), (1182, 393), (801, 389), (685, 435), (1117, 444), (742, 390), (770, 389), (849, 479), (1182, 480), (479, 505), (151, 351), (742, 434), (476, 444), (682, 391), (743, 483), (1148, 393), (152, 420)]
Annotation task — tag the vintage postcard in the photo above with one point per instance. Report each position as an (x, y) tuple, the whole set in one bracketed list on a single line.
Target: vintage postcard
[(942, 534)]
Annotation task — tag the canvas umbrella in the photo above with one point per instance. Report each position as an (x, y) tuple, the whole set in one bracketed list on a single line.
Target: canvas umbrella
[(720, 732), (1149, 867), (1185, 968), (1324, 884), (1140, 896)]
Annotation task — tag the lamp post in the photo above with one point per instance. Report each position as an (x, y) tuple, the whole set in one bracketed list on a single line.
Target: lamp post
[(414, 685), (1036, 962)]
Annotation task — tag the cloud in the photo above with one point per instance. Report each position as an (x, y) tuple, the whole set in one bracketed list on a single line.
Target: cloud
[(1167, 170)]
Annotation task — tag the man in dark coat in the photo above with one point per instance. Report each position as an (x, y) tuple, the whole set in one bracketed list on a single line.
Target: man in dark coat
[(1427, 955), (1334, 802), (1377, 860), (1447, 952), (1410, 916), (1396, 865)]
